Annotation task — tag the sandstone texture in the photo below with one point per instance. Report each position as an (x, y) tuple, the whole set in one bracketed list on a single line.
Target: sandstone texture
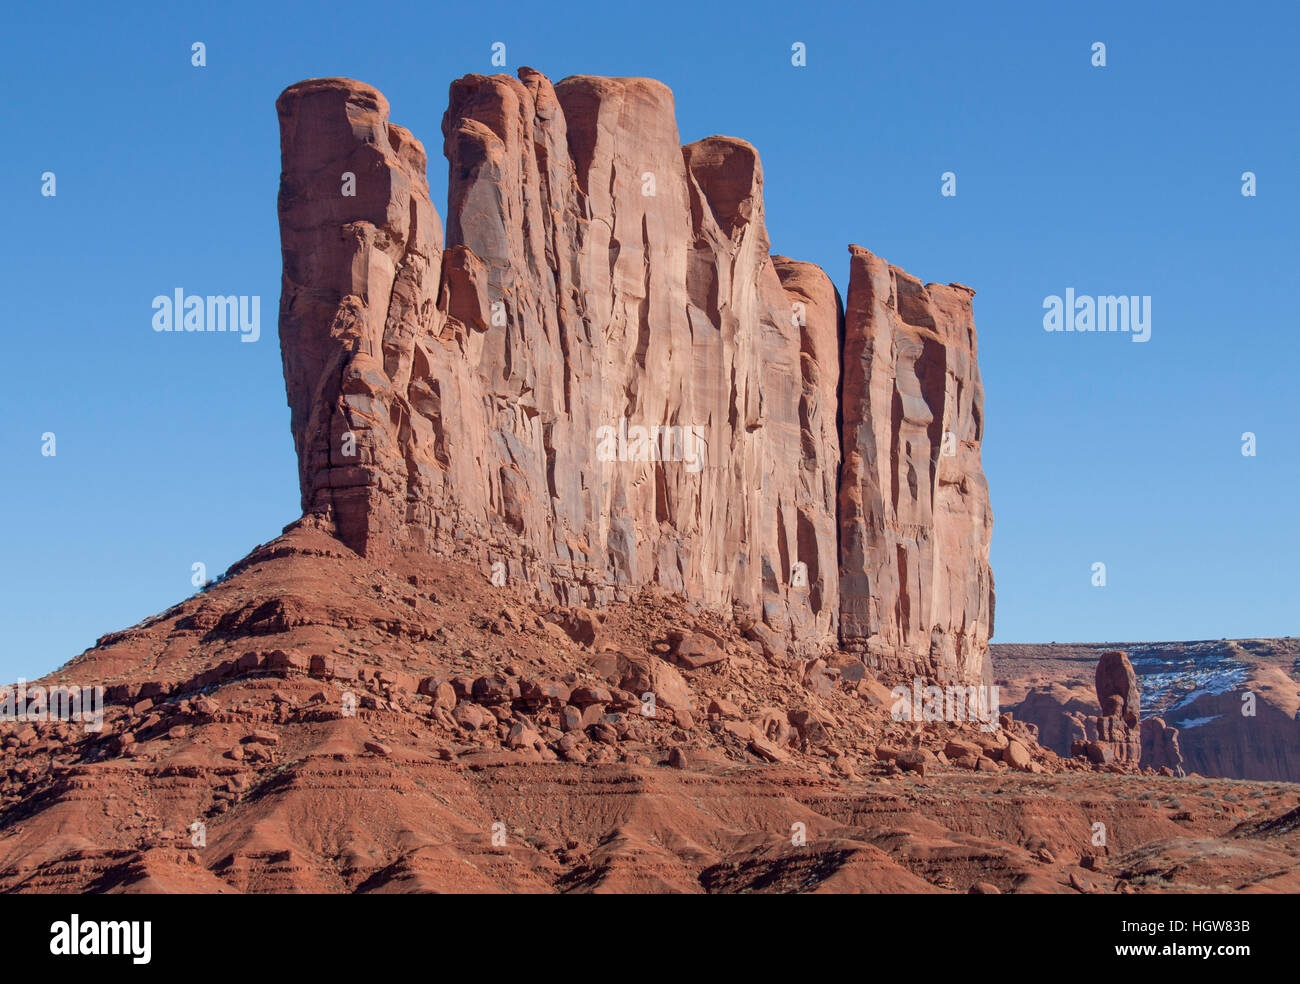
[(341, 725), (508, 649), (915, 522), (604, 379)]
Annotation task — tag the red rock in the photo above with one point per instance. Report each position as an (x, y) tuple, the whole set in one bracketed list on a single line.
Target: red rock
[(262, 738), (583, 696), (1100, 753), (321, 666), (694, 650), (767, 750), (957, 748), (1160, 746), (405, 350), (1116, 732), (622, 700), (814, 725), (650, 675), (444, 697), (772, 646), (494, 689), (916, 760), (742, 730), (377, 748), (1225, 742), (522, 736), (774, 724), (284, 661), (257, 752), (582, 626), (1115, 677), (395, 680), (724, 708), (1016, 756), (916, 591), (471, 717)]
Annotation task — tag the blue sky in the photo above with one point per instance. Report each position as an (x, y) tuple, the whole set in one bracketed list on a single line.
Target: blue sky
[(173, 449)]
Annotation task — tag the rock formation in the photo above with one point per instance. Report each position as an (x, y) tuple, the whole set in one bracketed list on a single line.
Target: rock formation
[(1229, 706), (1160, 748), (1114, 736), (1060, 715), (606, 381), (914, 507), (341, 725)]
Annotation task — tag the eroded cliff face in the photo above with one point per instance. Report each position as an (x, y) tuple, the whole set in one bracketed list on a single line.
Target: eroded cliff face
[(606, 381), (915, 522)]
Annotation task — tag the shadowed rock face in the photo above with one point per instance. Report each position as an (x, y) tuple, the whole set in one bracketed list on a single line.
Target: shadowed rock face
[(606, 381)]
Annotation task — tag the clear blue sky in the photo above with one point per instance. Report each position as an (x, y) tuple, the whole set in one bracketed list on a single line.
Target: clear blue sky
[(173, 449)]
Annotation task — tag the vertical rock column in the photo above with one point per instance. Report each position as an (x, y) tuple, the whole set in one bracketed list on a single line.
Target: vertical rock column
[(359, 285), (916, 591), (1115, 736)]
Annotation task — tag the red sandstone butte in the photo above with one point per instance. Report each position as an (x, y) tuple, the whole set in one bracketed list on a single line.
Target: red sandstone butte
[(354, 708), (598, 278)]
